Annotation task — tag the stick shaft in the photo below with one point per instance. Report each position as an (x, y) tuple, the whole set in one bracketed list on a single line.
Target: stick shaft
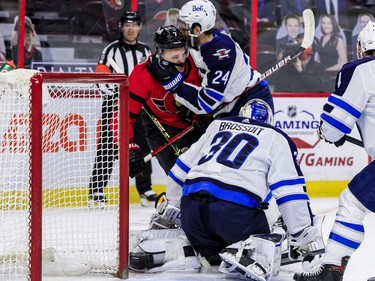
[(162, 130), (354, 141)]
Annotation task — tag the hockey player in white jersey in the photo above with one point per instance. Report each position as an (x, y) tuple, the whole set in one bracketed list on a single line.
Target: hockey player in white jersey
[(226, 175), (223, 65), (352, 102)]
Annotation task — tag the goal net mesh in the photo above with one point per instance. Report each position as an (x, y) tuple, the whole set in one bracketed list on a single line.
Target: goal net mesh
[(79, 236)]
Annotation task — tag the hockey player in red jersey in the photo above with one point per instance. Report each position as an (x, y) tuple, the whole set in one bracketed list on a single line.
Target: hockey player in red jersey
[(146, 91)]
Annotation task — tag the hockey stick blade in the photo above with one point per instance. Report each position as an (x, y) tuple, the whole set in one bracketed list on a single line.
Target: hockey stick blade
[(115, 66), (354, 141), (309, 22), (308, 39)]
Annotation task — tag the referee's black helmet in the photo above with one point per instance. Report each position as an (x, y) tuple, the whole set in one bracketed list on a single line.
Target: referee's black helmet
[(131, 16)]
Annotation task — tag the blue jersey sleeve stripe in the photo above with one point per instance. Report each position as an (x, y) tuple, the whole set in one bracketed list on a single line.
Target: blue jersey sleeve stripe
[(215, 95), (174, 178), (293, 197), (287, 182), (344, 241), (333, 122), (268, 198), (356, 227), (182, 166), (345, 106), (204, 106), (206, 98)]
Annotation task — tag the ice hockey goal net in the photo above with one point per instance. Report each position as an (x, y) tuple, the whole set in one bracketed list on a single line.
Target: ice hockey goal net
[(49, 133)]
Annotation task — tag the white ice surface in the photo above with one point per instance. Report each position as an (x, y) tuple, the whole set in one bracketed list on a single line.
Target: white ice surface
[(361, 265)]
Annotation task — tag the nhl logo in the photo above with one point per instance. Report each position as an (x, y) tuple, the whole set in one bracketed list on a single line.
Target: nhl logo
[(292, 111)]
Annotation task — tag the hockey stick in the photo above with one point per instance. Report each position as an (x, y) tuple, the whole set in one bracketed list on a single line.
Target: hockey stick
[(354, 141), (162, 130), (308, 39), (152, 117)]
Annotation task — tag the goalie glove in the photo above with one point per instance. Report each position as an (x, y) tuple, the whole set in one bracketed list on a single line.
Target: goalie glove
[(136, 162), (166, 215), (165, 72)]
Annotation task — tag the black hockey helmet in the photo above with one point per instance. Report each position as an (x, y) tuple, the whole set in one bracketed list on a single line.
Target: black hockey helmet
[(130, 16), (168, 37)]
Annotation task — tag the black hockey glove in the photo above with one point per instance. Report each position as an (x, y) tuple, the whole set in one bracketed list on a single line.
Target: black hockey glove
[(165, 72), (340, 142), (201, 122), (136, 162)]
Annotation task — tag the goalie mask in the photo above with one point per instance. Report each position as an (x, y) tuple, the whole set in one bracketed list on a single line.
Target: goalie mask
[(258, 110), (366, 39)]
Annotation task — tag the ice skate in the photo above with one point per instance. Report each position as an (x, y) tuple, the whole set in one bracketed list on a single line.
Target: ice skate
[(97, 200), (326, 272), (148, 198)]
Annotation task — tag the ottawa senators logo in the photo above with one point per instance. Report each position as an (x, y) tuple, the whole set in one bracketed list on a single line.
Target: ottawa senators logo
[(169, 104)]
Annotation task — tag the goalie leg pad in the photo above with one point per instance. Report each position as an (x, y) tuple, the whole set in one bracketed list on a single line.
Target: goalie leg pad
[(253, 258), (164, 254), (152, 234), (246, 266)]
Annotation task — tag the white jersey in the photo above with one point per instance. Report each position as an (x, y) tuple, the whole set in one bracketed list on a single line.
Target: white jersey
[(225, 72), (240, 161), (353, 101)]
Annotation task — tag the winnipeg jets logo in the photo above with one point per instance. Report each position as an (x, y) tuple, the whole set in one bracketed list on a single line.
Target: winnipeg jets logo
[(222, 53)]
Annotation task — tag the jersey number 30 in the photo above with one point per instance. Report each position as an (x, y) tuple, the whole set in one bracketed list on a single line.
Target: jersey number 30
[(231, 150)]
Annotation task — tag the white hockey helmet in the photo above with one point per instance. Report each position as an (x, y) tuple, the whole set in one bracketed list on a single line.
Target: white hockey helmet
[(366, 39), (202, 12), (257, 109)]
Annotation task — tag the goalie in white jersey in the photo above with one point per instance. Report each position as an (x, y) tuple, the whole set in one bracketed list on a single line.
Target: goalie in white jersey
[(225, 177), (352, 102)]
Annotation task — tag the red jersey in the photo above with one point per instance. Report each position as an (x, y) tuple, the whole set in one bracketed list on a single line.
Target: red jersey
[(146, 91)]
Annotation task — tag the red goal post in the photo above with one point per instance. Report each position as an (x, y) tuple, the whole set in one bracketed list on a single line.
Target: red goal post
[(49, 131)]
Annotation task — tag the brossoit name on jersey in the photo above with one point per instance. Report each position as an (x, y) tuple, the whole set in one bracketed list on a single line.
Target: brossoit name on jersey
[(240, 127)]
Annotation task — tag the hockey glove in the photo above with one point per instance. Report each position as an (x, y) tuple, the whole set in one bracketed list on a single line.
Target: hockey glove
[(166, 215), (165, 72), (308, 242), (136, 162), (338, 143), (201, 122)]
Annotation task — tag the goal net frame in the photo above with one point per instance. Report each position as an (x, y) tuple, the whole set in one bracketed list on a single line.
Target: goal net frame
[(37, 81)]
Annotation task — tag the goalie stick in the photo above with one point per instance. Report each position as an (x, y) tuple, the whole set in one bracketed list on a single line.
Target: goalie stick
[(308, 38)]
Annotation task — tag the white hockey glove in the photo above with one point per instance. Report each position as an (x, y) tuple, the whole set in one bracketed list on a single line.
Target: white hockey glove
[(166, 215), (308, 245)]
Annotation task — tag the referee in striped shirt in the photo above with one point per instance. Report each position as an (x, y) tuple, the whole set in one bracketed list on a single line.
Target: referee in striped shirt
[(127, 51)]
